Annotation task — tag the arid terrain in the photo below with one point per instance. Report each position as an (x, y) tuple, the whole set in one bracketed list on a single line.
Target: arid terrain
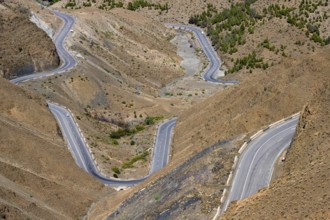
[(132, 73), (27, 48), (301, 190), (33, 184)]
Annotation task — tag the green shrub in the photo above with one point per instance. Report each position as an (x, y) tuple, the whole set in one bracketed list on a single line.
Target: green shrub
[(115, 170), (139, 128), (150, 120), (135, 4), (70, 3)]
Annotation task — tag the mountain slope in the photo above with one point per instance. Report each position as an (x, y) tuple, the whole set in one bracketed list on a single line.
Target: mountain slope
[(302, 191), (240, 110), (24, 47), (38, 176)]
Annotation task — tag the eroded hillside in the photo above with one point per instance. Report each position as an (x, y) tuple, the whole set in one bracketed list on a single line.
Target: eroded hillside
[(24, 47)]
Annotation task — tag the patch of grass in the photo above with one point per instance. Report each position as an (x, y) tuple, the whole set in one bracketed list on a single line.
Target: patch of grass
[(110, 4), (139, 127), (115, 170), (150, 120), (135, 4), (130, 163), (70, 3), (266, 44), (157, 197), (114, 142), (122, 132), (168, 94)]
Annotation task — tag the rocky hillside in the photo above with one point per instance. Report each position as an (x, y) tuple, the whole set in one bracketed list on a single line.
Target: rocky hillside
[(24, 47)]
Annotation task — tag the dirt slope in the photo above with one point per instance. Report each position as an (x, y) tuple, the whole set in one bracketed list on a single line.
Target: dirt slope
[(24, 47), (302, 191), (38, 176)]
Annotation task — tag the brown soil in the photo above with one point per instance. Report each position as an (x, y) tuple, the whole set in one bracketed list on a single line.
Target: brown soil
[(23, 43)]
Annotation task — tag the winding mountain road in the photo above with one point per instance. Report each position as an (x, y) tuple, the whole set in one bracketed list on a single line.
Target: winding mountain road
[(67, 60), (83, 155), (76, 143), (256, 164), (211, 72)]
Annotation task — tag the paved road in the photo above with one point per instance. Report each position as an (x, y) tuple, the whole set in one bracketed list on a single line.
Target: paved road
[(70, 130), (255, 166), (210, 73), (161, 150), (67, 60), (84, 159)]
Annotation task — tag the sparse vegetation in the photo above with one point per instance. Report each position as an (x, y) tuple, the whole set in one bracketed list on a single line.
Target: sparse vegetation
[(250, 61), (266, 44), (150, 120), (136, 4), (110, 4), (226, 29), (122, 132), (126, 131), (70, 4), (130, 163)]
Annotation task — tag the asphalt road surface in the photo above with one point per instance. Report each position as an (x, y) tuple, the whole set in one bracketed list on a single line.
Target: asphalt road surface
[(67, 60), (255, 166), (84, 159), (161, 150), (210, 73)]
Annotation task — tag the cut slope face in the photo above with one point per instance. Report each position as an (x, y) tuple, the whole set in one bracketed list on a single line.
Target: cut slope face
[(24, 47), (38, 176), (302, 192)]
